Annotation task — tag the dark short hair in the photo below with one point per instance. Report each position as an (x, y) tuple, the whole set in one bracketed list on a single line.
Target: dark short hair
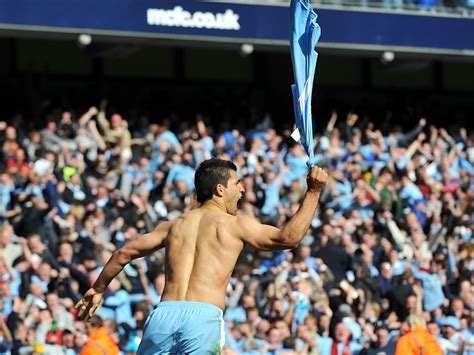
[(209, 174)]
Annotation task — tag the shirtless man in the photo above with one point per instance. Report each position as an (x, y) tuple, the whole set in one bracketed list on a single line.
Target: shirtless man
[(202, 247)]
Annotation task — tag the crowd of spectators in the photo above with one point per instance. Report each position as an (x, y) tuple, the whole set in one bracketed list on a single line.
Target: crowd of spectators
[(390, 252)]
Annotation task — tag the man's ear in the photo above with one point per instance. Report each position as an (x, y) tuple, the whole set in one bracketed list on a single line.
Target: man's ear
[(219, 190)]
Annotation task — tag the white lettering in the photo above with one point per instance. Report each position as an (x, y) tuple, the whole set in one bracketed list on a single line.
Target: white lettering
[(178, 17)]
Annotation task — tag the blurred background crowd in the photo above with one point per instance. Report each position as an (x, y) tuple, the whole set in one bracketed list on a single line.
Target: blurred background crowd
[(390, 252)]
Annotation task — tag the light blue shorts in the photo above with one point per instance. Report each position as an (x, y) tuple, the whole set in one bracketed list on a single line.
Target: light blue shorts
[(183, 328)]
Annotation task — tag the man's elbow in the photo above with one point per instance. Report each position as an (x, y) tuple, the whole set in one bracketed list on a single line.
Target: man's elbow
[(289, 240), (284, 243)]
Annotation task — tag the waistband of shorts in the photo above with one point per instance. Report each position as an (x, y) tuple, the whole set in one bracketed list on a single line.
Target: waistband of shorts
[(188, 304)]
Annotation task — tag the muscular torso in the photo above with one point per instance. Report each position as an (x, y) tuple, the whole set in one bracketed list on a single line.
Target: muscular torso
[(201, 252)]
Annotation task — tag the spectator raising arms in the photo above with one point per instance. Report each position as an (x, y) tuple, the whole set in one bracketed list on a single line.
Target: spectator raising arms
[(392, 241)]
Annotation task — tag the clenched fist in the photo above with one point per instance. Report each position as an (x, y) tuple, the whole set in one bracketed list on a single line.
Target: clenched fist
[(317, 179)]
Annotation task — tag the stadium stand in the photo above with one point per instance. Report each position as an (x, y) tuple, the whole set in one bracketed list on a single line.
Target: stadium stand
[(393, 238)]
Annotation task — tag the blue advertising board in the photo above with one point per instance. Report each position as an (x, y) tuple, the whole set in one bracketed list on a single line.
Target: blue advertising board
[(240, 22)]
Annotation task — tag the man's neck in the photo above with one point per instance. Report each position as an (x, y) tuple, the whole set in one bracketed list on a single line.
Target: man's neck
[(214, 205)]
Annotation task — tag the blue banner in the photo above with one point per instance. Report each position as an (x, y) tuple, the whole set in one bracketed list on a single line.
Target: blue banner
[(238, 22)]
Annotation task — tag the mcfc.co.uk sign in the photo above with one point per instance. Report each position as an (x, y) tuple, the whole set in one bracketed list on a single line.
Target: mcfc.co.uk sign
[(243, 21), (178, 17)]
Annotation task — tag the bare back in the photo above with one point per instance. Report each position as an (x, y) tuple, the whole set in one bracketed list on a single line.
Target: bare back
[(201, 252)]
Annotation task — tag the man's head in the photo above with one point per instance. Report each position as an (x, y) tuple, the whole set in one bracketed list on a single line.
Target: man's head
[(386, 270), (52, 300), (248, 301), (304, 252), (217, 178), (68, 339), (274, 336), (51, 125), (263, 327), (66, 251), (382, 333), (451, 326), (94, 323), (6, 234), (324, 321), (283, 327), (10, 133), (411, 303), (435, 266), (416, 320), (342, 332), (35, 244), (44, 271), (252, 314), (434, 328), (75, 179), (36, 290), (116, 120), (457, 304), (5, 289)]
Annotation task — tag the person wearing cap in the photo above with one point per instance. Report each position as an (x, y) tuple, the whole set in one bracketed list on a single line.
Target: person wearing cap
[(451, 327), (435, 329), (418, 340)]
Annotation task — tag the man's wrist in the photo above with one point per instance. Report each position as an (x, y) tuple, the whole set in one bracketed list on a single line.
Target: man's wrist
[(99, 288), (315, 192)]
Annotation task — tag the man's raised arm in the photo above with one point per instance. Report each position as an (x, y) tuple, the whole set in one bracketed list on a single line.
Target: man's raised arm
[(137, 248), (267, 237)]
